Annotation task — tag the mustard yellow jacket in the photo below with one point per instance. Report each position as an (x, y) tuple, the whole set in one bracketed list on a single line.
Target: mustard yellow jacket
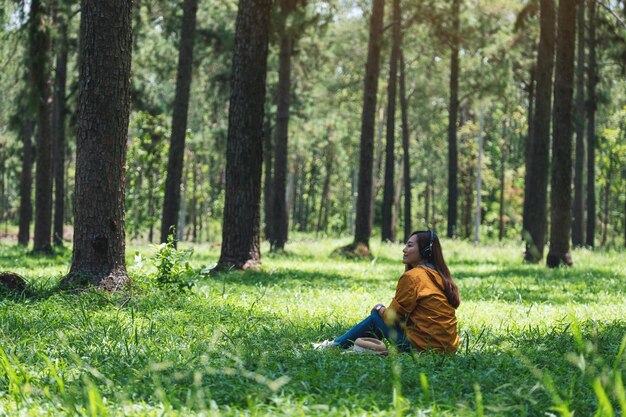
[(421, 307)]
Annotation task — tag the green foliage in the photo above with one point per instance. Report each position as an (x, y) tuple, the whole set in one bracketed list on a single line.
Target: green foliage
[(170, 267), (536, 341)]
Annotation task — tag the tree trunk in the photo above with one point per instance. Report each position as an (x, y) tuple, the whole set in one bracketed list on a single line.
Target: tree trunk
[(536, 186), (479, 178), (561, 196), (244, 153), (267, 178), (502, 181), (427, 203), (26, 180), (406, 166), (103, 115), (182, 213), (171, 199), (280, 220), (579, 120), (58, 128), (363, 229), (324, 203), (607, 198), (453, 116), (39, 40), (592, 80), (388, 233), (377, 180), (194, 201)]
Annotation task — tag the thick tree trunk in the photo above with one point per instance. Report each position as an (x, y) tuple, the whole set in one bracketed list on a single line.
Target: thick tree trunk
[(561, 184), (578, 221), (171, 200), (406, 166), (592, 80), (453, 111), (103, 115), (39, 40), (536, 186), (26, 180), (388, 233), (244, 153), (280, 220), (363, 230), (58, 128)]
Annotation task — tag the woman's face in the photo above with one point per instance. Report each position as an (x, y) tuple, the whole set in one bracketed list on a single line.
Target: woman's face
[(411, 252)]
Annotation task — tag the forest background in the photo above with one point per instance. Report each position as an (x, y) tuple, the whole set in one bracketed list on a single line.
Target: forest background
[(472, 114), (497, 56)]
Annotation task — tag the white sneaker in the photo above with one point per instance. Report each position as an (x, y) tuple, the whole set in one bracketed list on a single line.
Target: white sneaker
[(326, 344)]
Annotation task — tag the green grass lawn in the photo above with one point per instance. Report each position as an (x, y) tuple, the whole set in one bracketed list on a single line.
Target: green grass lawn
[(536, 342)]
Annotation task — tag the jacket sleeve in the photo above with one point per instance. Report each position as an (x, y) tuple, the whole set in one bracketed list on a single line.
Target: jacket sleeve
[(403, 303)]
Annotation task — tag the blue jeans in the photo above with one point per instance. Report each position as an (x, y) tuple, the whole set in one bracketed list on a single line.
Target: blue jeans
[(374, 326)]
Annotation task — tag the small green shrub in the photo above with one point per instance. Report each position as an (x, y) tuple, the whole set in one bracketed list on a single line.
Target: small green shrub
[(170, 267)]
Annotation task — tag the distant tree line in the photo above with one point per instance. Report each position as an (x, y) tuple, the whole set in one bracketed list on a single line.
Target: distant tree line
[(247, 120)]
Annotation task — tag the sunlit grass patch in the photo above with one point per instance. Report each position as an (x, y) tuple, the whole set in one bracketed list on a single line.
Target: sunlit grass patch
[(534, 340)]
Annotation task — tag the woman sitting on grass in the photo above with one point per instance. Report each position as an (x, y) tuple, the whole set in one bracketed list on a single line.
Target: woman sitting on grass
[(422, 313)]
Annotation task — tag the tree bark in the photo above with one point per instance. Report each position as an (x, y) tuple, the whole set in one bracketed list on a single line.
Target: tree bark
[(324, 203), (453, 111), (363, 229), (171, 199), (561, 184), (388, 233), (280, 220), (244, 153), (505, 154), (58, 128), (406, 166), (103, 115), (578, 221), (267, 178), (536, 186), (39, 41), (26, 180), (592, 80), (479, 178)]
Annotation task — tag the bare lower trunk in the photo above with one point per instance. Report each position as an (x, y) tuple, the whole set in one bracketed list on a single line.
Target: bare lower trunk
[(453, 116), (58, 127), (103, 114), (280, 219), (406, 166), (362, 224), (26, 180), (592, 80), (39, 43), (244, 154), (388, 231), (561, 193), (536, 184), (171, 199), (578, 210)]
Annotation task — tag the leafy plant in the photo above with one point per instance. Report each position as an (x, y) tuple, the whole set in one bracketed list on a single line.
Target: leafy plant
[(173, 268)]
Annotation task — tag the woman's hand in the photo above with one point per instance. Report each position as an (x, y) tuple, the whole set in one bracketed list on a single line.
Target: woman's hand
[(379, 308)]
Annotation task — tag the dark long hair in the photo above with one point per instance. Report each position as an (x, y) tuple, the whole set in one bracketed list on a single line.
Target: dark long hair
[(450, 289)]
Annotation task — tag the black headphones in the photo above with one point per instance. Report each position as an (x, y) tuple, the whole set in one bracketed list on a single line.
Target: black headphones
[(427, 251)]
